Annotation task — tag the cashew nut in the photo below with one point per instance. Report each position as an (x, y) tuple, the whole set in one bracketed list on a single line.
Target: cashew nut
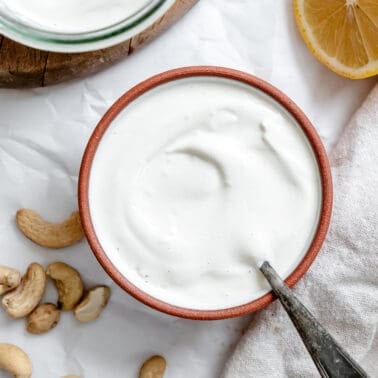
[(93, 303), (9, 279), (15, 361), (23, 300), (68, 282), (154, 367), (46, 234), (45, 317)]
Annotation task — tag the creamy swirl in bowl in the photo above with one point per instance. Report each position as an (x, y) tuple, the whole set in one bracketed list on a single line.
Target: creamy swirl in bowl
[(195, 176)]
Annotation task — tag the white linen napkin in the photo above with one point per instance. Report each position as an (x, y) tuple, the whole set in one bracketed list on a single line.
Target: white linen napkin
[(341, 288)]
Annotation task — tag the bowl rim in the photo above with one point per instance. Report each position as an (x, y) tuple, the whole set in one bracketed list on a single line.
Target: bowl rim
[(72, 42), (275, 94)]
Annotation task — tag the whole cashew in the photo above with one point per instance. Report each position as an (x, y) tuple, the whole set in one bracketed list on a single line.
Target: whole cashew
[(154, 367), (68, 282), (23, 300), (90, 307), (15, 361), (46, 234), (44, 318), (9, 279)]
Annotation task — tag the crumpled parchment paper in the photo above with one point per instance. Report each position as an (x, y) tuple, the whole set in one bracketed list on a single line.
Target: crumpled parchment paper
[(43, 133)]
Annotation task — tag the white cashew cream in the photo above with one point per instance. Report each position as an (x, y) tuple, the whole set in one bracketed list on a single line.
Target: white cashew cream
[(195, 183), (73, 16)]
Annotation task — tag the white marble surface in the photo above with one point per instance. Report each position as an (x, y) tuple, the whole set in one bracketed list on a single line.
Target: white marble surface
[(42, 136)]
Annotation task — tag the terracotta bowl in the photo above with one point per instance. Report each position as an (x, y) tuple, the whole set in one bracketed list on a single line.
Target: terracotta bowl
[(125, 100)]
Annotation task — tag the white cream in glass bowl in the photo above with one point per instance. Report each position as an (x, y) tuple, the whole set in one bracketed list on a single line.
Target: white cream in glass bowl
[(77, 26)]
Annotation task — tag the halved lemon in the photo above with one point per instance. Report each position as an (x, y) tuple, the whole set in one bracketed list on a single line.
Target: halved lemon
[(342, 34)]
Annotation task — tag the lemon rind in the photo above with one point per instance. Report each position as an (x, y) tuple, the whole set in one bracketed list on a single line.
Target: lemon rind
[(368, 70)]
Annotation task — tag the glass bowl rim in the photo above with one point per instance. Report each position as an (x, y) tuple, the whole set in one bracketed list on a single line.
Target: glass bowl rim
[(41, 35)]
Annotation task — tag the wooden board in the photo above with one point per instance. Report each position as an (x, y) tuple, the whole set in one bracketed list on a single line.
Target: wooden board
[(25, 67)]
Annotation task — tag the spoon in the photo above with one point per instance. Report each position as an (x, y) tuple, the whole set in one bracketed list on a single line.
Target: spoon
[(331, 360)]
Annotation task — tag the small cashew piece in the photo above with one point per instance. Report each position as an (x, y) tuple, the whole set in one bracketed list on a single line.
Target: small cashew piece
[(15, 361), (69, 284), (9, 279), (154, 367), (23, 300), (50, 235), (90, 307), (44, 318)]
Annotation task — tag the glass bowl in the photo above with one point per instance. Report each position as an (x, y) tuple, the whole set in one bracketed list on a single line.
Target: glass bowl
[(27, 31)]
